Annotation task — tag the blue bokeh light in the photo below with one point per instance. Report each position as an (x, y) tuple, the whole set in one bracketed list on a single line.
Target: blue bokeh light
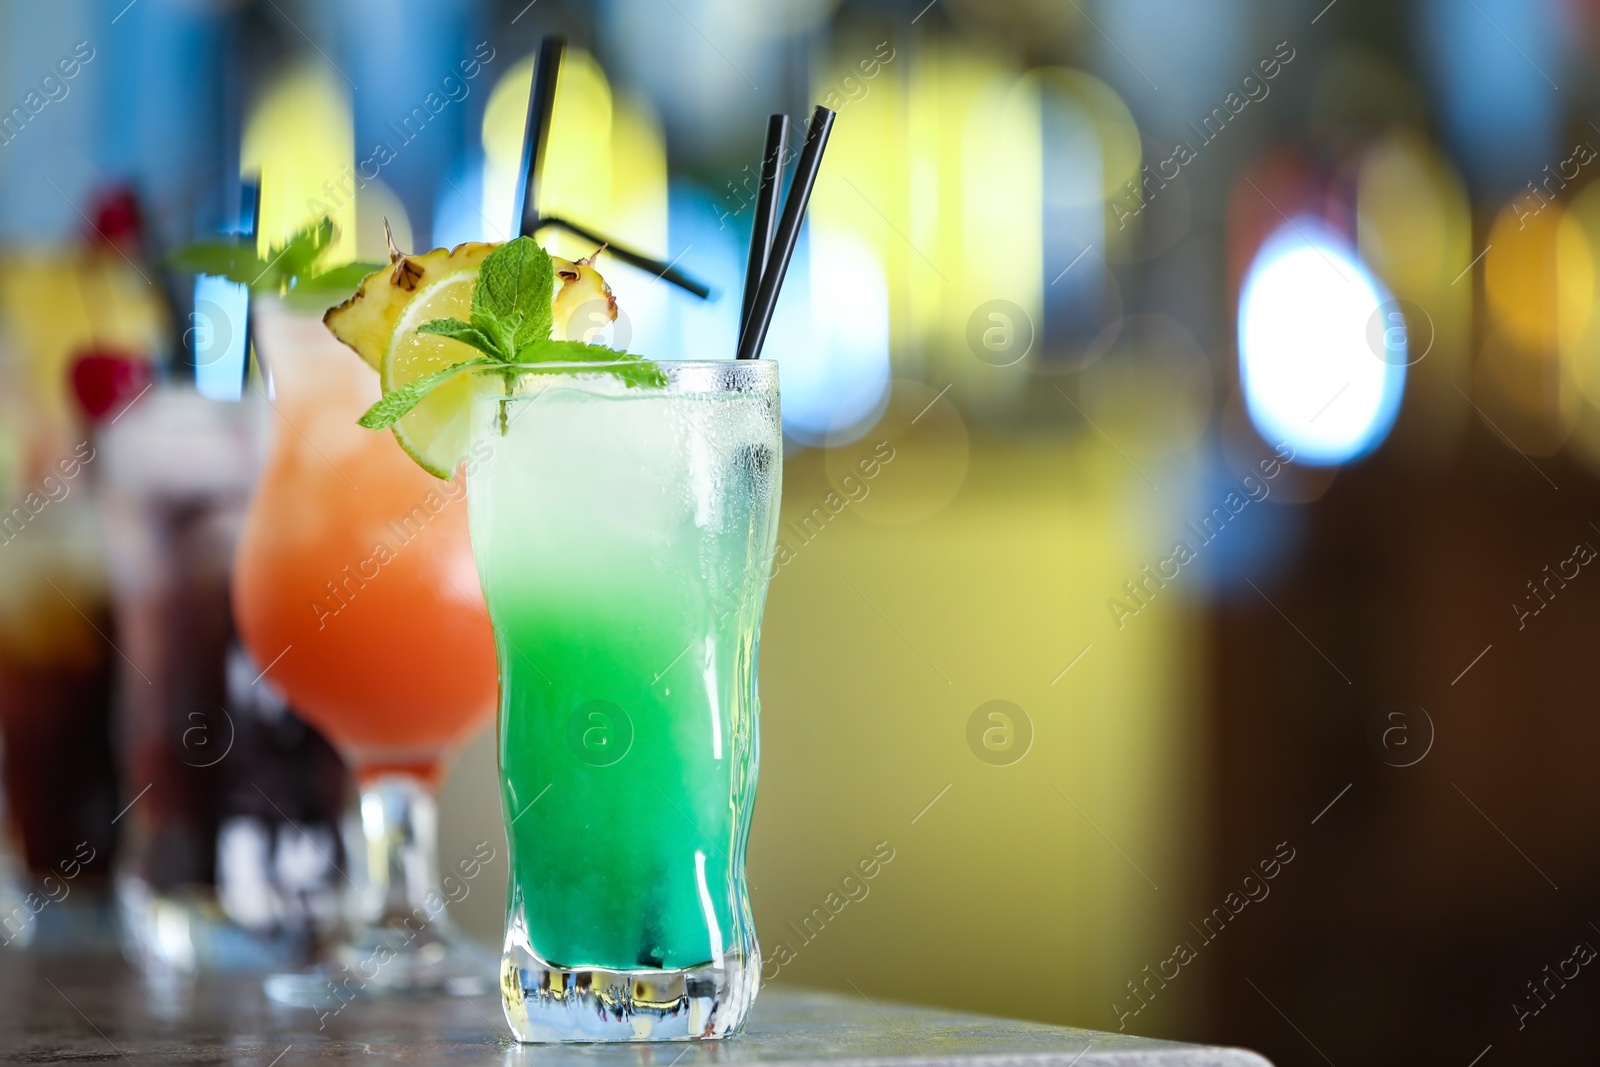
[(1318, 368)]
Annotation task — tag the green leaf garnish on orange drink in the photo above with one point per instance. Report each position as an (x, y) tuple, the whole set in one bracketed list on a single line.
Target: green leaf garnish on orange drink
[(291, 270)]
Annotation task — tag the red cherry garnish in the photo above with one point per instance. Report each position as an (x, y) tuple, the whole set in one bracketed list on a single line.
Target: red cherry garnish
[(106, 380), (117, 218)]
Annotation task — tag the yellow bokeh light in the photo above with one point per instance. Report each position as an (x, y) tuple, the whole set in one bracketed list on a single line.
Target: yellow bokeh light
[(1539, 284), (577, 171), (1414, 229), (638, 213), (1574, 283), (300, 138), (605, 161), (1580, 326), (605, 168), (938, 170), (1580, 348), (1410, 214), (1121, 154), (1521, 278)]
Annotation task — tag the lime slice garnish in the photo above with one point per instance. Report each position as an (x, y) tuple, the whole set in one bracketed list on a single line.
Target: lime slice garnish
[(437, 432)]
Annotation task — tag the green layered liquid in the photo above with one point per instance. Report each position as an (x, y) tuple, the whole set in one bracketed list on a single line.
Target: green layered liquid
[(624, 543), (610, 861)]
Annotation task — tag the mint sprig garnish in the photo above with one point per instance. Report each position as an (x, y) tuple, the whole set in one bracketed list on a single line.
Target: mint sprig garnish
[(290, 270), (395, 403), (465, 332), (511, 323), (511, 302)]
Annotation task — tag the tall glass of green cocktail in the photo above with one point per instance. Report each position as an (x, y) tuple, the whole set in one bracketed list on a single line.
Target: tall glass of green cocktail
[(623, 519), (624, 523)]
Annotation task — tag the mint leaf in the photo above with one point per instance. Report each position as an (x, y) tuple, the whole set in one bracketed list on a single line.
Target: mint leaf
[(501, 334), (555, 350), (511, 301), (337, 280), (466, 333), (640, 374), (393, 405), (318, 292), (293, 258), (636, 373), (233, 260), (511, 323), (632, 369), (289, 269)]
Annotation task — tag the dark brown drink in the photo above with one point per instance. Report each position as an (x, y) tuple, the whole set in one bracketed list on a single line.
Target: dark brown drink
[(56, 677), (235, 825)]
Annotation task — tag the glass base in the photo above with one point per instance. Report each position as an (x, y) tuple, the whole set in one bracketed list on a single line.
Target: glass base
[(82, 922), (187, 931), (545, 1003), (398, 938), (381, 968)]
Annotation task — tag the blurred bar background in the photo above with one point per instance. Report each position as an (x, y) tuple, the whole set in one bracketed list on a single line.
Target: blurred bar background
[(1308, 289)]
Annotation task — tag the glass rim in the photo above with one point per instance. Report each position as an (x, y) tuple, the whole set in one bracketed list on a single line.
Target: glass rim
[(568, 365), (680, 376)]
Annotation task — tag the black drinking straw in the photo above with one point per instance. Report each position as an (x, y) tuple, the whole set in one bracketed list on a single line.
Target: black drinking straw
[(766, 216), (180, 367), (250, 224), (783, 242), (535, 141), (665, 271), (536, 134)]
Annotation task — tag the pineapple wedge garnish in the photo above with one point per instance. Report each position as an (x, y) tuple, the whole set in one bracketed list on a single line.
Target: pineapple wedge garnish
[(579, 288), (366, 322), (380, 322)]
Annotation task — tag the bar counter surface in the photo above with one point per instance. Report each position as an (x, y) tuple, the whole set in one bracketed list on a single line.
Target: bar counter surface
[(94, 1010)]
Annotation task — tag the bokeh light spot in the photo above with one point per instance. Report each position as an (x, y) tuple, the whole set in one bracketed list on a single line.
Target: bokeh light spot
[(1310, 378)]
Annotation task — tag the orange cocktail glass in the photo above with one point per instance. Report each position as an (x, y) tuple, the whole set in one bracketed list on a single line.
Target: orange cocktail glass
[(355, 590)]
